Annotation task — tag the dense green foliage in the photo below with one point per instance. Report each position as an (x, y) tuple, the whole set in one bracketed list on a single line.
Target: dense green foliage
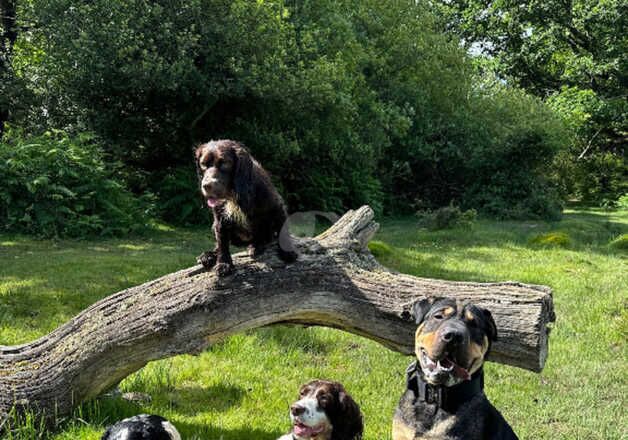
[(345, 102), (447, 217), (54, 185), (575, 55)]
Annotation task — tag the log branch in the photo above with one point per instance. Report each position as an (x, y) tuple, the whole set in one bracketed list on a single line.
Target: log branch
[(336, 282)]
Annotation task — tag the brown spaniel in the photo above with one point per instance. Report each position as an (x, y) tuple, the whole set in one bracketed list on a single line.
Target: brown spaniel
[(325, 411), (247, 208)]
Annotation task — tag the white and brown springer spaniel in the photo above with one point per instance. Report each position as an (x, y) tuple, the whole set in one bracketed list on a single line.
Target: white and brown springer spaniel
[(324, 411)]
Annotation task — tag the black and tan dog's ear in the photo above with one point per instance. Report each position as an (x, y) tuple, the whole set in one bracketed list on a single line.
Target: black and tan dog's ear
[(420, 309), (490, 326), (243, 177)]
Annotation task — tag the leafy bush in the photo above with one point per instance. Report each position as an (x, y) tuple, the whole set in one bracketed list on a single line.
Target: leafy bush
[(601, 178), (551, 239), (620, 243), (345, 102), (178, 198), (379, 248), (593, 169), (447, 217), (54, 185), (622, 202)]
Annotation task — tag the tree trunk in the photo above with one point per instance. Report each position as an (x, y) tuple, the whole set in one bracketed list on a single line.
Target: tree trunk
[(335, 282)]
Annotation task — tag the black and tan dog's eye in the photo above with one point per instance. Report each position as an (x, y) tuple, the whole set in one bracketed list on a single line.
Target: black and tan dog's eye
[(438, 316)]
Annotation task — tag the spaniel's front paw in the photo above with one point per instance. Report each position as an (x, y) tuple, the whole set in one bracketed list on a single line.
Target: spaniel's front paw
[(207, 259), (223, 269)]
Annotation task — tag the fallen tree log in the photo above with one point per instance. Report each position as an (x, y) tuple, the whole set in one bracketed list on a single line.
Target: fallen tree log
[(336, 282)]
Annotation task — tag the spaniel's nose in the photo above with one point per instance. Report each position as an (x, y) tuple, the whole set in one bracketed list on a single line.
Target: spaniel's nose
[(297, 410), (208, 183)]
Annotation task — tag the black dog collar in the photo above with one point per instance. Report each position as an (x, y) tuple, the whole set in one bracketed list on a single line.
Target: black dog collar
[(446, 398)]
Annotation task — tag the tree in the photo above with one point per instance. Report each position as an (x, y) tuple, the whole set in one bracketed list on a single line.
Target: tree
[(8, 36), (574, 54), (345, 102)]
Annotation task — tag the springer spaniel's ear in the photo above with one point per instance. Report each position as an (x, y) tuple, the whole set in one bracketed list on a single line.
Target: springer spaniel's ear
[(243, 178), (348, 425), (197, 152)]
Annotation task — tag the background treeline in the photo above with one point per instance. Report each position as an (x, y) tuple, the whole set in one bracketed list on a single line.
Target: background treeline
[(346, 102)]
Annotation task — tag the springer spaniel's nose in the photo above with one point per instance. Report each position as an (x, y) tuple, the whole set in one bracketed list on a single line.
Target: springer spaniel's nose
[(297, 410), (209, 183)]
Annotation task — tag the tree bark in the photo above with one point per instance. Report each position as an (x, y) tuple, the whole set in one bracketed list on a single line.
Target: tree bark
[(336, 282)]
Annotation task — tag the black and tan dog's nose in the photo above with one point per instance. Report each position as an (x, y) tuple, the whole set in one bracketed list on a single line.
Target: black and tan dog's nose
[(452, 336), (297, 410)]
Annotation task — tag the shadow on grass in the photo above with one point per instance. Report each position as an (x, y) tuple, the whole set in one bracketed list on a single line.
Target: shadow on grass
[(43, 283), (190, 400), (286, 339), (585, 229), (199, 431)]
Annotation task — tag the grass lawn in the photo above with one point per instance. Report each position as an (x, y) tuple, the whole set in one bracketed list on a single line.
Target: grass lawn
[(241, 388)]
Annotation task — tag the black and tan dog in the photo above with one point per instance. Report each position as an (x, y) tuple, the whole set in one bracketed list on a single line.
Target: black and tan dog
[(444, 397)]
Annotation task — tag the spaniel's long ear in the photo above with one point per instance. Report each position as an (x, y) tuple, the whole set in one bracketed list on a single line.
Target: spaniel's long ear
[(197, 151), (349, 424), (243, 178)]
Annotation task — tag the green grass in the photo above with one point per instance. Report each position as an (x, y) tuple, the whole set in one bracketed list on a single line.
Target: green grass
[(241, 388)]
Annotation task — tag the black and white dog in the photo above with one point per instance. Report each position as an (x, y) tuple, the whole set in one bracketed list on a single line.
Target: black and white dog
[(324, 411), (142, 427)]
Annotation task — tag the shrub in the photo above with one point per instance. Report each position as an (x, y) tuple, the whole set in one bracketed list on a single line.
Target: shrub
[(178, 196), (620, 243), (379, 248), (551, 239), (601, 178), (344, 102), (54, 185), (622, 202), (447, 217)]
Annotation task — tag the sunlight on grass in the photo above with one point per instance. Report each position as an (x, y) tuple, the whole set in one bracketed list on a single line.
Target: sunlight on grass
[(241, 388), (10, 285), (133, 247), (551, 239)]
